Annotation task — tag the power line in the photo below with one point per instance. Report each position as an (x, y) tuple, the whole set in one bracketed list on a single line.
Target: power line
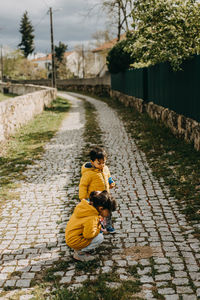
[(46, 3), (35, 26)]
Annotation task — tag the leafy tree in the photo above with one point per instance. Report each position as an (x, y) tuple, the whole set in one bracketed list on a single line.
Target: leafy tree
[(60, 51), (118, 59), (60, 61), (164, 31), (17, 67), (26, 29)]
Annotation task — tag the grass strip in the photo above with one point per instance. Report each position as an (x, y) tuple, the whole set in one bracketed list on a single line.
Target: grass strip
[(27, 145), (92, 132), (4, 97)]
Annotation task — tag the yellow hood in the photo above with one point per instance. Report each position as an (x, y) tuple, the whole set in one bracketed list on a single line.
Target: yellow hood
[(83, 226), (87, 167), (84, 209)]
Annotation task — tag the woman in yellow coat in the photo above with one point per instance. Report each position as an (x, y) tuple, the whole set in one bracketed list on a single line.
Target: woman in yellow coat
[(83, 229)]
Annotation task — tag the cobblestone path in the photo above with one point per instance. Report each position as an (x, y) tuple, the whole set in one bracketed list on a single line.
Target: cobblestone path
[(148, 223)]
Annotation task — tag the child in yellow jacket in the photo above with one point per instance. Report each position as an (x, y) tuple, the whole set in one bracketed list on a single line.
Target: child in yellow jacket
[(96, 177), (83, 229)]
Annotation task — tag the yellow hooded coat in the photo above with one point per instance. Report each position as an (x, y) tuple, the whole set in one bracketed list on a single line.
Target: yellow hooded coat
[(83, 226), (93, 179)]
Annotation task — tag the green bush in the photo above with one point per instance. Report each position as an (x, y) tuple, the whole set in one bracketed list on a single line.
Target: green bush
[(118, 60)]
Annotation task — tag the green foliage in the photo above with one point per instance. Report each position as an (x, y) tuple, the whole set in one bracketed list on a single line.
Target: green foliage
[(164, 31), (26, 29), (4, 97), (60, 51), (60, 61), (118, 59), (18, 67)]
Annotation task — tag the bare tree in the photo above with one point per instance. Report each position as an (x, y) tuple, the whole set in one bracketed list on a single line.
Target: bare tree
[(101, 36), (119, 12)]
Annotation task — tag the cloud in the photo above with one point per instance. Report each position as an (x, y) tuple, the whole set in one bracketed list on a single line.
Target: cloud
[(71, 21)]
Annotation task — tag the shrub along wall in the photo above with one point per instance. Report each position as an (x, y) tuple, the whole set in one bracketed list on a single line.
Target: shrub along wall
[(17, 111), (180, 125)]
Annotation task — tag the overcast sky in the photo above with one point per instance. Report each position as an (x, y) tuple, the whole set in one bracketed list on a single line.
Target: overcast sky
[(71, 24)]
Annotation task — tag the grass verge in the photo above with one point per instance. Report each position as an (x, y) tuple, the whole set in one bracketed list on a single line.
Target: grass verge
[(92, 132), (4, 97), (26, 145)]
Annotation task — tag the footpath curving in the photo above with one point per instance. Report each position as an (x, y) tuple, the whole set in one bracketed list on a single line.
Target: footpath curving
[(149, 239)]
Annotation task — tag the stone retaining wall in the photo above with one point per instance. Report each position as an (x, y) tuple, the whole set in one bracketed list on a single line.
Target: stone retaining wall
[(17, 111), (185, 128), (97, 85)]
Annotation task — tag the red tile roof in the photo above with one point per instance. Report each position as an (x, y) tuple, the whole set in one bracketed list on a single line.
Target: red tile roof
[(109, 45)]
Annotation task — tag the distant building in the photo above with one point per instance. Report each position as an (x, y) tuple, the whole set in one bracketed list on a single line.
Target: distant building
[(100, 54), (74, 63), (81, 63)]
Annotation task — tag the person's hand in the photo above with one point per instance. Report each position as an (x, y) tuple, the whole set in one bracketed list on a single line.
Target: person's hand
[(112, 185)]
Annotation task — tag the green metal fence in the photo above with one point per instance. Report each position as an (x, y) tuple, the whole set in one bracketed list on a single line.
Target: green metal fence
[(129, 82), (179, 91)]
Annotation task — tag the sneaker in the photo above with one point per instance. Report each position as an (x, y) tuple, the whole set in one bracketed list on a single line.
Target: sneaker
[(111, 229), (83, 256)]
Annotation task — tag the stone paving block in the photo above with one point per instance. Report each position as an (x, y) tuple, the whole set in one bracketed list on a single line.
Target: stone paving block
[(180, 274), (146, 279), (166, 291), (198, 292), (172, 297), (106, 269), (23, 283), (184, 290), (180, 281), (28, 275), (10, 283), (163, 277), (189, 297), (178, 267), (66, 279), (121, 263), (81, 278), (162, 268)]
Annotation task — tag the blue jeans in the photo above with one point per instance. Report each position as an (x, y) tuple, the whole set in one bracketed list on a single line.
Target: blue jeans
[(94, 243)]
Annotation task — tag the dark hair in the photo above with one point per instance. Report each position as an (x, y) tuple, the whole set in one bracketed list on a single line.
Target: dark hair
[(97, 153), (103, 199)]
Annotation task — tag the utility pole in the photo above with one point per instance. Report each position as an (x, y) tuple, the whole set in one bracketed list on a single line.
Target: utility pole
[(1, 63), (52, 50), (83, 61)]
